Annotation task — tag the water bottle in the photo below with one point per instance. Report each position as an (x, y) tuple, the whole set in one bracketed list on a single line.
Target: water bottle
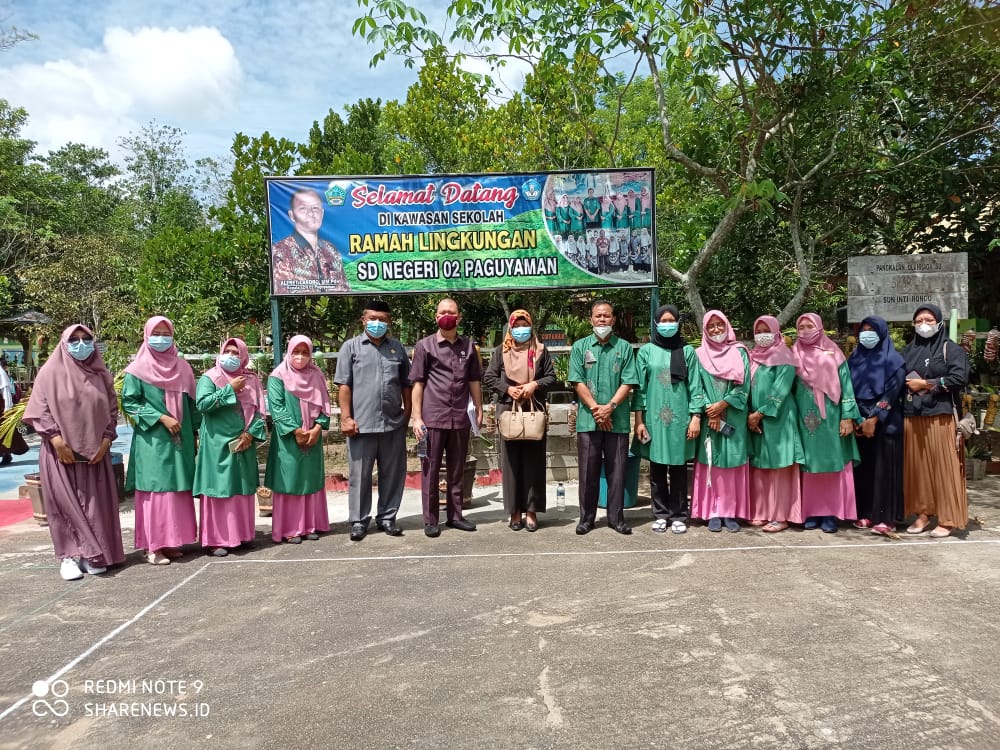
[(560, 497), (422, 444)]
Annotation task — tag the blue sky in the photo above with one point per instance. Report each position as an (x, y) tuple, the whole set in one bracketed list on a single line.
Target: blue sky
[(103, 68)]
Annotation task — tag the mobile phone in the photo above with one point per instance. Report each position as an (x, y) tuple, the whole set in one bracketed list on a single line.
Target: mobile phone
[(727, 429), (646, 439), (234, 444)]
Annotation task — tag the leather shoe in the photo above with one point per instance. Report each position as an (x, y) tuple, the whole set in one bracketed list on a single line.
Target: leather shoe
[(621, 528), (584, 527), (432, 530), (516, 525), (358, 531), (390, 528), (461, 524)]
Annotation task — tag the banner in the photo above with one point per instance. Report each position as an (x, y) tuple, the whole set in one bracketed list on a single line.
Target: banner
[(441, 233)]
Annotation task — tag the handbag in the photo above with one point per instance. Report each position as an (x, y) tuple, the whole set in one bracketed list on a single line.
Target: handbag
[(519, 424)]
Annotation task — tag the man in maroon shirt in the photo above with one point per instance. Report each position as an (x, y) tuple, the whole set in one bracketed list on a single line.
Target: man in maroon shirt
[(445, 372)]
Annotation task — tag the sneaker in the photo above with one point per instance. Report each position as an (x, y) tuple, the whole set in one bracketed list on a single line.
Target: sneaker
[(678, 527), (715, 524), (731, 524), (94, 570), (660, 525), (69, 570), (811, 523)]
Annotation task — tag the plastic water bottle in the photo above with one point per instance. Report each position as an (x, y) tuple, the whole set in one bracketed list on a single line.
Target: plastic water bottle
[(560, 497), (422, 445)]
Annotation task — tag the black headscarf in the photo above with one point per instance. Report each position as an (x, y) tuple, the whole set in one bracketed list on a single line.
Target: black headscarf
[(678, 365), (920, 351), (872, 368)]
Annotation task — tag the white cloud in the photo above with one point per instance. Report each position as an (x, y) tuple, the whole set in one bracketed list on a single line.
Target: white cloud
[(190, 75)]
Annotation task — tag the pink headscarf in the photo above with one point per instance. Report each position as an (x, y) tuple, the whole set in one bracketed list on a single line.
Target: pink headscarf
[(251, 398), (777, 353), (819, 362), (79, 396), (166, 370), (308, 385), (721, 360)]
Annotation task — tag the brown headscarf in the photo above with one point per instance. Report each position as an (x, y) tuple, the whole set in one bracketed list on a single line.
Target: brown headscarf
[(79, 396), (519, 359)]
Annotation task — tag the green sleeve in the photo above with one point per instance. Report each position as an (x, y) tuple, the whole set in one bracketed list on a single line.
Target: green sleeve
[(782, 379), (135, 405), (286, 415), (848, 406), (576, 373), (257, 428), (323, 420), (642, 375), (210, 397), (696, 389), (629, 376), (738, 395)]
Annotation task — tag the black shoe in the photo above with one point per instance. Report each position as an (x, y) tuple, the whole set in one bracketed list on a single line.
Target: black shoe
[(358, 531), (390, 528), (461, 524), (516, 525), (6, 459), (584, 527), (621, 527), (432, 530)]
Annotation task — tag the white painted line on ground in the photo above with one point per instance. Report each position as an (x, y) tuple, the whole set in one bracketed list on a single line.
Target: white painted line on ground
[(121, 628)]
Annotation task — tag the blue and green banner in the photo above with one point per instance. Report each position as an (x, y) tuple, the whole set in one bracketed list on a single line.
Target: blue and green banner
[(442, 233)]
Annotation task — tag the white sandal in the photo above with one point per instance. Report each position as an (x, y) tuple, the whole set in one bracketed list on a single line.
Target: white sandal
[(157, 558), (660, 525), (678, 527)]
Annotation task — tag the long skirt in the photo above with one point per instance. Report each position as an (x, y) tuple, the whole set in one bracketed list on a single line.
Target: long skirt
[(522, 463), (164, 520), (775, 494), (81, 504), (295, 515), (829, 493), (720, 493), (932, 475), (227, 521), (878, 479)]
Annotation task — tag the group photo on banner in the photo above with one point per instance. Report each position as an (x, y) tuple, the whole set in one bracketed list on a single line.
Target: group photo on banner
[(475, 232)]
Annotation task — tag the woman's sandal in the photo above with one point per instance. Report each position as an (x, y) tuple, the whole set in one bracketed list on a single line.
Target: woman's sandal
[(775, 526)]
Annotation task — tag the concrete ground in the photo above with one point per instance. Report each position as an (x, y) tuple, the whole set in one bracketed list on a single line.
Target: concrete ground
[(496, 639)]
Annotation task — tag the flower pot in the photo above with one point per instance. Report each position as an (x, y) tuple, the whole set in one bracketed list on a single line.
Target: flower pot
[(975, 469), (33, 482), (468, 482)]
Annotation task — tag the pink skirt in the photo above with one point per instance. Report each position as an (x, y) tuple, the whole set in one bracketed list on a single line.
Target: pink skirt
[(729, 495), (775, 494), (227, 521), (830, 494), (164, 520), (295, 515)]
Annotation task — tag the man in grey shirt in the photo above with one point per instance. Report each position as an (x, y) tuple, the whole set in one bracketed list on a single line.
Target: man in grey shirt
[(374, 396)]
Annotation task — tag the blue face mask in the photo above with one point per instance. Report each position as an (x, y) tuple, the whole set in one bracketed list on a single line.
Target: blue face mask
[(521, 333), (160, 343), (667, 329), (376, 328), (230, 363), (868, 339), (80, 350)]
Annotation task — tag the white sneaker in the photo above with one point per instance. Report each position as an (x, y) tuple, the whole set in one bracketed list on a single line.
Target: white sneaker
[(69, 570), (88, 568)]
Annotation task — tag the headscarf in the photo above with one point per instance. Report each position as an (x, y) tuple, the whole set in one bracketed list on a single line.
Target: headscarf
[(920, 351), (674, 344), (777, 353), (251, 398), (721, 360), (166, 370), (819, 363), (308, 385), (871, 368), (519, 359), (78, 395)]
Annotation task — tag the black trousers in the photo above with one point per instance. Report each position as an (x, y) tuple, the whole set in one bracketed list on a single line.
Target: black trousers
[(669, 499), (594, 449)]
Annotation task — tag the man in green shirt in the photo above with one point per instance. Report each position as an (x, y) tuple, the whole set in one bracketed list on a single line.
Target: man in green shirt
[(602, 369)]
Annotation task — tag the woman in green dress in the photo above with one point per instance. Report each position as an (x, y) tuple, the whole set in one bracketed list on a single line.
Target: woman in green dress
[(299, 403), (231, 402), (775, 445), (668, 403), (158, 395)]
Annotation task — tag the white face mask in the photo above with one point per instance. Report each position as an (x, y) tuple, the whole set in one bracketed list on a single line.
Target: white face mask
[(763, 340), (602, 332), (926, 330), (719, 338)]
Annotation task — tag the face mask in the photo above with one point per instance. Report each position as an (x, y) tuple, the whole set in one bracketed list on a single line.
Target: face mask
[(447, 322), (868, 339), (926, 330), (300, 360), (809, 337), (160, 343), (719, 338), (376, 328), (763, 340), (521, 333), (667, 329), (80, 350), (602, 332), (230, 363)]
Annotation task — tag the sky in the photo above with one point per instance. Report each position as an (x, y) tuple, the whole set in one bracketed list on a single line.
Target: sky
[(101, 69)]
